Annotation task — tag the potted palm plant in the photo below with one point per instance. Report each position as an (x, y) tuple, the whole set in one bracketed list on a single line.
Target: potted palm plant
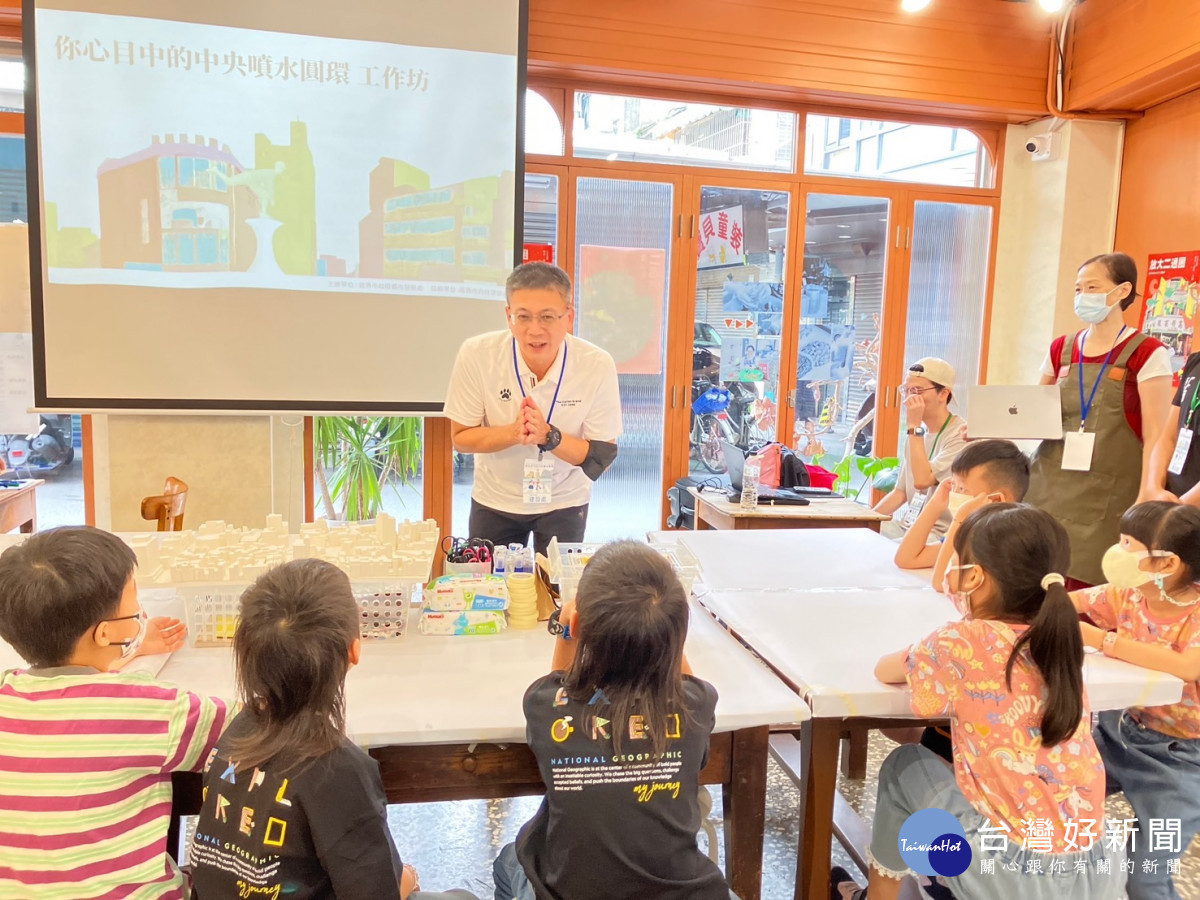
[(358, 458)]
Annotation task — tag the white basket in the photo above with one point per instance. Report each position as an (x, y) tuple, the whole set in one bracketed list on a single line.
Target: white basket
[(212, 609), (567, 562)]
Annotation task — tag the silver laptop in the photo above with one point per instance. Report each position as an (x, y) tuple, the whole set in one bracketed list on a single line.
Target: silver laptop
[(1017, 412)]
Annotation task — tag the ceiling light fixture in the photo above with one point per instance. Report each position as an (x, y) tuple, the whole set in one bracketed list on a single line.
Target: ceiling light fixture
[(913, 6), (1051, 6)]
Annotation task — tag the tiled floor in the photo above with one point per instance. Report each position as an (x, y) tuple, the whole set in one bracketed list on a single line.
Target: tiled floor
[(453, 844)]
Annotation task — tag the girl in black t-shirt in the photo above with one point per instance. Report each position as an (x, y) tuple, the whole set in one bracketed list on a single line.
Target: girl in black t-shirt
[(291, 807), (620, 729)]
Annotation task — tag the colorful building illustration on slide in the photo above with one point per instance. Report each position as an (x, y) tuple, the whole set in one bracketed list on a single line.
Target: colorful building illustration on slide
[(295, 203), (463, 232), (168, 207), (171, 207)]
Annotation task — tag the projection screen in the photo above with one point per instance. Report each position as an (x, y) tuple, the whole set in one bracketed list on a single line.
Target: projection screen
[(268, 204)]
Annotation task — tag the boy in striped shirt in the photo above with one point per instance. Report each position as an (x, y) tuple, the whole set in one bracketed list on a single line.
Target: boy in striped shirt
[(86, 754)]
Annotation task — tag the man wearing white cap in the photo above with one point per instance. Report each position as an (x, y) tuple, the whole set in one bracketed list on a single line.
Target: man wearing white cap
[(933, 437)]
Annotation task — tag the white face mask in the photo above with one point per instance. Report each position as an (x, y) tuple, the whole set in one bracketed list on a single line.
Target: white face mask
[(958, 501), (1093, 308), (960, 599), (131, 646)]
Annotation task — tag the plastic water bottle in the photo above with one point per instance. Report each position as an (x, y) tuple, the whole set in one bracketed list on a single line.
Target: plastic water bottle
[(750, 485)]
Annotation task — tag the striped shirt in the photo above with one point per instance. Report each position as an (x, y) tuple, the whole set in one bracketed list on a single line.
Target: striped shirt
[(85, 781)]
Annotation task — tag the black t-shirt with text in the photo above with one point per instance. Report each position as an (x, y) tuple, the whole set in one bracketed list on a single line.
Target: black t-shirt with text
[(617, 828), (1189, 381), (317, 833)]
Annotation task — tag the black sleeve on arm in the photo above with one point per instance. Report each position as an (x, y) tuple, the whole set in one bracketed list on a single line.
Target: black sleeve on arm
[(600, 456), (348, 822)]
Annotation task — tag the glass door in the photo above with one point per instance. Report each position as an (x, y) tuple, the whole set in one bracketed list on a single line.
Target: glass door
[(947, 287), (842, 314), (740, 239), (624, 229)]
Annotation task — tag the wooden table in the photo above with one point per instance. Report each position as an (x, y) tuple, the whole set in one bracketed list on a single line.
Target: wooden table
[(824, 638), (18, 506), (443, 717), (716, 511)]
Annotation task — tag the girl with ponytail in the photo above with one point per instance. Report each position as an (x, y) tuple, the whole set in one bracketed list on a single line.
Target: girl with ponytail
[(1148, 614), (1027, 785)]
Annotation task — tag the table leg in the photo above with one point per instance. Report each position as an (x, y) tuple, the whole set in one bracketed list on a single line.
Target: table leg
[(854, 759), (744, 803), (820, 738)]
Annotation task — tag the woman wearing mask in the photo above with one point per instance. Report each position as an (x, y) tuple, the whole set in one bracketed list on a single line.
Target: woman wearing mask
[(1115, 384)]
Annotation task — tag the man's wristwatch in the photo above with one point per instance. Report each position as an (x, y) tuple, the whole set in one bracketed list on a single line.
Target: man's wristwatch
[(553, 439), (919, 431), (556, 628)]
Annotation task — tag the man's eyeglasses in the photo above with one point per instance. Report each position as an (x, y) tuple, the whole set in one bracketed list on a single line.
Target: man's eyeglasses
[(546, 320), (914, 391)]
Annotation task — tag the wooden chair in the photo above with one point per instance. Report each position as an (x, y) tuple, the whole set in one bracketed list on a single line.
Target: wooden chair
[(167, 507)]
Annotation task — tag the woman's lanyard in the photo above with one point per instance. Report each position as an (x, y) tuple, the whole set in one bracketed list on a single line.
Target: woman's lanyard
[(1191, 419), (1085, 408), (933, 452), (561, 370)]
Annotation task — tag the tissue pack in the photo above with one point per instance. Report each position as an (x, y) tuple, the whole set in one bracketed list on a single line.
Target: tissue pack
[(458, 593), (477, 621)]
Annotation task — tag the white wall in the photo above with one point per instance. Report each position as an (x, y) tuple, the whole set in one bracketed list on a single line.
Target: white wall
[(1054, 214), (237, 468)]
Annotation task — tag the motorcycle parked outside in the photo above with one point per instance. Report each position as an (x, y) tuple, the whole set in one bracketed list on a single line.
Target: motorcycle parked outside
[(732, 412), (49, 449)]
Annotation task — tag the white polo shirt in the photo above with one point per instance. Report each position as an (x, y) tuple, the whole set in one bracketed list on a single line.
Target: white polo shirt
[(484, 391)]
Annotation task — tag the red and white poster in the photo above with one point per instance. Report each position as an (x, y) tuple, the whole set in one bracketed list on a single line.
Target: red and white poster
[(537, 253), (1172, 289), (621, 292), (722, 239)]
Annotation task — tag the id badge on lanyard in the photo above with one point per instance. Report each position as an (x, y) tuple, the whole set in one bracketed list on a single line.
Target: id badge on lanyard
[(1183, 443), (1080, 446), (537, 482), (915, 505), (538, 486)]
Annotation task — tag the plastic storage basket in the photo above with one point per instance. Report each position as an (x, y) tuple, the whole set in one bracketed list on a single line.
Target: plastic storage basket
[(212, 609), (567, 562)]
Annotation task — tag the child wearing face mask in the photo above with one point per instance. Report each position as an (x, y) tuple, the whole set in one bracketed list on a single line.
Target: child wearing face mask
[(982, 472), (85, 769), (1010, 678), (1149, 615)]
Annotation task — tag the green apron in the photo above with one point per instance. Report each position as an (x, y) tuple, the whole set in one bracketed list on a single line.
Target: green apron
[(1089, 505)]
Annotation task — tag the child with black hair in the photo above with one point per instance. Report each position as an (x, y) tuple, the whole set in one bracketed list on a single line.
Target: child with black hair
[(1148, 614), (983, 472), (292, 808), (620, 729), (1010, 677), (85, 773)]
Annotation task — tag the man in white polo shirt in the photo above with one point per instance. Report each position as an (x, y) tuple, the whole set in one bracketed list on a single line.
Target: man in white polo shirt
[(541, 411)]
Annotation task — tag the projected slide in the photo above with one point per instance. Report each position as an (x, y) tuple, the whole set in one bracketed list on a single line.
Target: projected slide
[(181, 155)]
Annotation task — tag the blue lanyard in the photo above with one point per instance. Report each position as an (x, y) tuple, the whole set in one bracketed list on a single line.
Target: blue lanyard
[(1084, 408), (557, 387)]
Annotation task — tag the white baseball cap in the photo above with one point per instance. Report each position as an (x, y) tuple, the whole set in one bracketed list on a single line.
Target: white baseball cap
[(936, 370)]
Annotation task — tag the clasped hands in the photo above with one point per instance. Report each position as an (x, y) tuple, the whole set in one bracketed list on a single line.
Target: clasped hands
[(531, 426)]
